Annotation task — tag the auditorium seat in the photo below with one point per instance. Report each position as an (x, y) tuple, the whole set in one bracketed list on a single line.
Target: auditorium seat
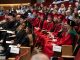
[(67, 52), (25, 54)]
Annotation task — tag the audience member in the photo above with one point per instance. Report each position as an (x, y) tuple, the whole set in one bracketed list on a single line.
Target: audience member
[(39, 56)]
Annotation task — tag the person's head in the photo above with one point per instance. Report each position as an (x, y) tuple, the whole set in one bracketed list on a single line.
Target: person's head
[(45, 8), (68, 12), (76, 4), (41, 5), (69, 24), (39, 56), (55, 19), (34, 12), (75, 10), (11, 17), (41, 16), (6, 16), (28, 30), (18, 17), (22, 19), (65, 26), (35, 4), (49, 17), (60, 18), (62, 6), (70, 7), (55, 6), (21, 27), (54, 11)]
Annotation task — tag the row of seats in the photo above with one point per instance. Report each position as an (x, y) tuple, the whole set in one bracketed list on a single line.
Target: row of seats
[(25, 56)]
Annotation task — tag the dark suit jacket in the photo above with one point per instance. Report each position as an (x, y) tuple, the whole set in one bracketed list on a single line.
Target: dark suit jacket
[(21, 38), (20, 35), (10, 25)]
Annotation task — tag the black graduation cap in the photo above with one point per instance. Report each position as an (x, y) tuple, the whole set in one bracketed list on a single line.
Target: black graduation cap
[(71, 23)]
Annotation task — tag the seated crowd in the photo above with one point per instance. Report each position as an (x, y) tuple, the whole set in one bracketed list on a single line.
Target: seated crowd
[(34, 26)]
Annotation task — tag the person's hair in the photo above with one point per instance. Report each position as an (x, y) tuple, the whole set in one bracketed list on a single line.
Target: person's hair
[(11, 14), (39, 56), (71, 23)]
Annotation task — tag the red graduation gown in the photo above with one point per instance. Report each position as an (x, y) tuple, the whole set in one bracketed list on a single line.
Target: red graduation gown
[(65, 39), (48, 25), (35, 22), (57, 28), (40, 25)]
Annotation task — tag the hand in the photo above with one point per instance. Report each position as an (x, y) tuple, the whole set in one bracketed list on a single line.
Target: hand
[(12, 41), (43, 30), (37, 28), (53, 44), (54, 40), (1, 41), (49, 33), (18, 45)]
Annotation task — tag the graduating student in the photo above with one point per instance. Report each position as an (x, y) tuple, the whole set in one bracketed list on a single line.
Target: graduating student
[(48, 24), (35, 22), (58, 24), (40, 20), (68, 35), (42, 15)]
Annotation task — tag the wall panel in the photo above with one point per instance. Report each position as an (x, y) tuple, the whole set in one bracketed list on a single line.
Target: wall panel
[(13, 1)]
